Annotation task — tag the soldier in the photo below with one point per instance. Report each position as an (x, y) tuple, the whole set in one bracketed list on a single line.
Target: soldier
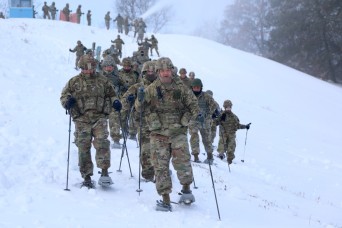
[(88, 97), (184, 78), (66, 11), (170, 106), (79, 13), (2, 15), (136, 26), (191, 76), (46, 10), (34, 12), (127, 77), (154, 44), (214, 116), (107, 20), (79, 49), (148, 75), (207, 107), (89, 18), (119, 22), (145, 46), (229, 124), (141, 58), (118, 44), (53, 11), (126, 25)]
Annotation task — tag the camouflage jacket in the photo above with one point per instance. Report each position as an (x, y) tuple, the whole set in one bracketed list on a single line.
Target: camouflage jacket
[(207, 107), (94, 96), (186, 82), (126, 80), (79, 49), (66, 11), (118, 43), (107, 17), (154, 42), (169, 107), (229, 123)]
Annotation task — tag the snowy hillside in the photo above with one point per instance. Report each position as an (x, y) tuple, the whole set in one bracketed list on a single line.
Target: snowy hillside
[(291, 176)]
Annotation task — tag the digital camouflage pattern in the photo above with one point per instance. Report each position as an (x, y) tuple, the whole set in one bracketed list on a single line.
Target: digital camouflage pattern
[(207, 107), (229, 124), (170, 108), (94, 96), (53, 11), (66, 11)]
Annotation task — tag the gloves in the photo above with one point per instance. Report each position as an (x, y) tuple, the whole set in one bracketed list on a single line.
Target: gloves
[(117, 105), (200, 118), (70, 103), (70, 50), (248, 126), (141, 94), (223, 117), (130, 99), (215, 114)]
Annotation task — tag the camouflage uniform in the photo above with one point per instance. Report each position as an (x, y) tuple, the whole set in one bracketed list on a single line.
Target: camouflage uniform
[(154, 44), (184, 78), (126, 79), (145, 46), (147, 170), (107, 20), (79, 49), (213, 125), (207, 107), (79, 13), (169, 108), (94, 96), (66, 11), (118, 44), (119, 22), (53, 11), (89, 18), (46, 10), (229, 124)]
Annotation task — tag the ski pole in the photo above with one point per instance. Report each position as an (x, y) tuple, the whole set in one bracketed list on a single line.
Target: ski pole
[(244, 150), (212, 180), (67, 179), (124, 147), (193, 179), (141, 99)]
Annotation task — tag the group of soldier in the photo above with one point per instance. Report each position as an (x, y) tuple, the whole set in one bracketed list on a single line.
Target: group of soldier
[(47, 10), (156, 104)]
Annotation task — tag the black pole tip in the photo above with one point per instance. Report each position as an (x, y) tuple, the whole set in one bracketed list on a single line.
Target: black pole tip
[(243, 160), (66, 189), (139, 190), (120, 171), (195, 187)]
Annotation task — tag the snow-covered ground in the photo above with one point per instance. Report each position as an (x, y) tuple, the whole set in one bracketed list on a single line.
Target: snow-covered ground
[(291, 176)]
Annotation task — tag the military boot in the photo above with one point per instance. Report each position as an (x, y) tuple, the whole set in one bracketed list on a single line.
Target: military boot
[(165, 204), (88, 182), (196, 158), (187, 196), (105, 180), (209, 159)]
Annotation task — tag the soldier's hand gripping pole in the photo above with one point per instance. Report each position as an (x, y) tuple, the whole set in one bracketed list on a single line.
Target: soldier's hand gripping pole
[(141, 96)]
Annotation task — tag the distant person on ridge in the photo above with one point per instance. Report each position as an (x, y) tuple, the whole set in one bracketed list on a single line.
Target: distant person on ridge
[(89, 18), (66, 11), (79, 13), (118, 44), (46, 10), (53, 11), (119, 23), (107, 20)]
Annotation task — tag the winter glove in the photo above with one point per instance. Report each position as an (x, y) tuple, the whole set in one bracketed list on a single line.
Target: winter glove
[(248, 126), (215, 114), (223, 117), (70, 50), (117, 105), (141, 94), (130, 99), (70, 102)]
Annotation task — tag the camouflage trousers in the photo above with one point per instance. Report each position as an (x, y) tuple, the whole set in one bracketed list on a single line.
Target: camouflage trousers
[(227, 144), (114, 126), (213, 132), (194, 140), (76, 61), (147, 170), (176, 149), (97, 134)]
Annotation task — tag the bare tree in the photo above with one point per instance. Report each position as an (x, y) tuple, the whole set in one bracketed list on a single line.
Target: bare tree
[(156, 15)]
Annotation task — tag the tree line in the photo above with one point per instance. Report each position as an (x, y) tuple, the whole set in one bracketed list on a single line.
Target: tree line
[(302, 34)]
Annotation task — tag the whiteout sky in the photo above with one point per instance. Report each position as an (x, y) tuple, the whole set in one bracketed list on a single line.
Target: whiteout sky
[(291, 176)]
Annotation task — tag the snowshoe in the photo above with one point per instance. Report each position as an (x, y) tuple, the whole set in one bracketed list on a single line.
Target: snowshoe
[(209, 161), (89, 184), (116, 145), (105, 181), (161, 206), (186, 198)]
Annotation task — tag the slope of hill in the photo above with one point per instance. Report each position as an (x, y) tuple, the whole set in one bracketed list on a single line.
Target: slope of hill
[(291, 176)]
